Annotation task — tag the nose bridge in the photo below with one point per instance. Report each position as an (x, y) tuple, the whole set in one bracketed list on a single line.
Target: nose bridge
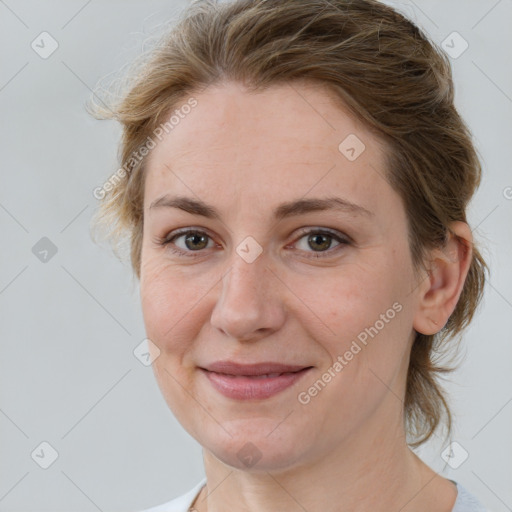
[(248, 303), (243, 284)]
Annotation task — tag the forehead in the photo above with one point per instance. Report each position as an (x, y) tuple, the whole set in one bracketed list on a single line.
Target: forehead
[(286, 139)]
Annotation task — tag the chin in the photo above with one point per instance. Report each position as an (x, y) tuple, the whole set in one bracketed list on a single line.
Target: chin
[(256, 445)]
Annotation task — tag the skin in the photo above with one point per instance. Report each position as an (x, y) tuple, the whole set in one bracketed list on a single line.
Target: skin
[(244, 154)]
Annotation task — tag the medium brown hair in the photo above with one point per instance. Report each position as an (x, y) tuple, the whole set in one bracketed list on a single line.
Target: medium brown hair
[(391, 77)]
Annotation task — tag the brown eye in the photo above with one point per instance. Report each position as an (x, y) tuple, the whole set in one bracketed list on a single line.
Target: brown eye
[(315, 242), (196, 241), (319, 242), (187, 242)]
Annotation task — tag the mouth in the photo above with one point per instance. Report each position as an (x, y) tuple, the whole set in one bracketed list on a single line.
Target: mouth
[(252, 382)]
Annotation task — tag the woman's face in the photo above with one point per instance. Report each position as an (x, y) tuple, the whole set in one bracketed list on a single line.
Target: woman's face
[(300, 257)]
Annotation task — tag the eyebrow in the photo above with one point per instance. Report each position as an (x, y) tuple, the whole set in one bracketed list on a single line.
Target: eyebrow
[(285, 210)]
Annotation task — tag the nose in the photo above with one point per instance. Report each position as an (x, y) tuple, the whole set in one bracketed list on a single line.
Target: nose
[(249, 306)]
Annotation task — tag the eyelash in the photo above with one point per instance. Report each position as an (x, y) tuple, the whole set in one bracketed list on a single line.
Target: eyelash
[(343, 240)]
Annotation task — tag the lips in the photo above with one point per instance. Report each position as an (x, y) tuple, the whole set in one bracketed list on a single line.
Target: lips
[(252, 381), (256, 369)]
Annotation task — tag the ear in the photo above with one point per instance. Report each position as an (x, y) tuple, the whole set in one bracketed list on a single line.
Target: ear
[(447, 270)]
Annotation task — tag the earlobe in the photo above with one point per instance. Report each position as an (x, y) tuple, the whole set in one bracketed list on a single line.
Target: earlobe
[(447, 270)]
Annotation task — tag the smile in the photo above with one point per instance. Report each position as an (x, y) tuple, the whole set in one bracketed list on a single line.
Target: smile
[(249, 383)]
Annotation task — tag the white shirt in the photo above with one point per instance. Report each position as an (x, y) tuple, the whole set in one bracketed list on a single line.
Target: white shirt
[(465, 501)]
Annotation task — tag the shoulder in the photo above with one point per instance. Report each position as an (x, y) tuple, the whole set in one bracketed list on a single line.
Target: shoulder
[(466, 502), (181, 503)]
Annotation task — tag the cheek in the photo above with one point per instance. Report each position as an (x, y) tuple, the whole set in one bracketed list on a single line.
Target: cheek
[(368, 317), (354, 300), (371, 323), (173, 305), (164, 301), (171, 316)]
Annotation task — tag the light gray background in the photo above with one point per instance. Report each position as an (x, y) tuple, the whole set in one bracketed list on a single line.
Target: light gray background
[(69, 326)]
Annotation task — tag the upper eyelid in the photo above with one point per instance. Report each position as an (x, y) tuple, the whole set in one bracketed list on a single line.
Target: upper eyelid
[(329, 231), (184, 231)]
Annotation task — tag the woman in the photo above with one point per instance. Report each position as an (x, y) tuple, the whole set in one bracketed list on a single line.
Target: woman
[(295, 180)]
